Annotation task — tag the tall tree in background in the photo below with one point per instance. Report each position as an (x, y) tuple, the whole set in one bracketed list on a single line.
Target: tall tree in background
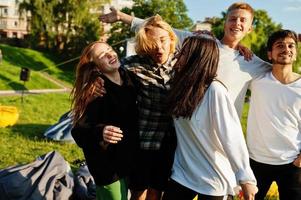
[(263, 27), (173, 11), (64, 25)]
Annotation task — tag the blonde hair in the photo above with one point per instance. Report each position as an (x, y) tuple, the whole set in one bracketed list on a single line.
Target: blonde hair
[(86, 73), (243, 6), (144, 45)]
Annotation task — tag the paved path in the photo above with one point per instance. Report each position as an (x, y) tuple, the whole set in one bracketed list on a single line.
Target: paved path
[(62, 87)]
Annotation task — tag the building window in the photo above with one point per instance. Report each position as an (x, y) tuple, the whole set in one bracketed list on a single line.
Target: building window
[(5, 11), (16, 23)]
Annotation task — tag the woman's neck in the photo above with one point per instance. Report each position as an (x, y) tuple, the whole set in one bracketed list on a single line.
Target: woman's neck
[(114, 77)]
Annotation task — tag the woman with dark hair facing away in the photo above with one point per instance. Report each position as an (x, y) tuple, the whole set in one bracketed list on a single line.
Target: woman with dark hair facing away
[(105, 127), (211, 157)]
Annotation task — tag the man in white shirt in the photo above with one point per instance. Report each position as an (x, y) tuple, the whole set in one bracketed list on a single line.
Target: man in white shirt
[(274, 121)]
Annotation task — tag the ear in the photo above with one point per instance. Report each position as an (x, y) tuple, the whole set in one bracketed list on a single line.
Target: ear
[(269, 55), (251, 29)]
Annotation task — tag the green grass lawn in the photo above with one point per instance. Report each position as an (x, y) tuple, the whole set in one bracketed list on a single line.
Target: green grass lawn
[(14, 58), (23, 142)]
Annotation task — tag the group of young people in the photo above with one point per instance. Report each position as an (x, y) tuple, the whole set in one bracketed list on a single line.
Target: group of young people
[(167, 119)]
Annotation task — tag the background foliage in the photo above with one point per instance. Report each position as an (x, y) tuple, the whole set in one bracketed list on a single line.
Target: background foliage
[(62, 25)]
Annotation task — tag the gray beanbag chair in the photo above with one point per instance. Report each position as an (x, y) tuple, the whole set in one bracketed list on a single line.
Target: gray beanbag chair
[(48, 177)]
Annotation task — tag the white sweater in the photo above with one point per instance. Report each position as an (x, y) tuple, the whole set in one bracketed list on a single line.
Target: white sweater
[(211, 155), (274, 121)]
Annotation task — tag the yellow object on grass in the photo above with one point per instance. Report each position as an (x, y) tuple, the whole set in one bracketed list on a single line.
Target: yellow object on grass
[(273, 191), (8, 115)]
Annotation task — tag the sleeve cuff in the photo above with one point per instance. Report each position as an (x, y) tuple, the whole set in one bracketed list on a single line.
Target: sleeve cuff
[(136, 24)]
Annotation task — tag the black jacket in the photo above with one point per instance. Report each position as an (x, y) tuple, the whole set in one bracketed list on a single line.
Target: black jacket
[(118, 108)]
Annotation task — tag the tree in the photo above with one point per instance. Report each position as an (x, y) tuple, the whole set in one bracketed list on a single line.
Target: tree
[(173, 12), (263, 27), (297, 64), (64, 25)]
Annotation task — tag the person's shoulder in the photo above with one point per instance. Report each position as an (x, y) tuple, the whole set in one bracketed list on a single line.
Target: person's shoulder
[(129, 59), (134, 60), (262, 76), (218, 87), (297, 79)]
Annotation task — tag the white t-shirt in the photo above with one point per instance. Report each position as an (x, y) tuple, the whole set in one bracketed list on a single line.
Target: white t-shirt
[(211, 155), (274, 121)]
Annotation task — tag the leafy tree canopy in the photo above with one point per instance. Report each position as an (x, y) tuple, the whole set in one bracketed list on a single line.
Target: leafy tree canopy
[(63, 25)]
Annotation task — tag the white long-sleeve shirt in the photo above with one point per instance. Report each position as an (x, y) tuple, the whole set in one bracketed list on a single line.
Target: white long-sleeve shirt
[(233, 70), (211, 155), (274, 121)]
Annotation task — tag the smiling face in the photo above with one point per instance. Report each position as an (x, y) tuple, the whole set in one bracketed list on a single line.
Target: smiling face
[(105, 58), (161, 44), (283, 52), (237, 25)]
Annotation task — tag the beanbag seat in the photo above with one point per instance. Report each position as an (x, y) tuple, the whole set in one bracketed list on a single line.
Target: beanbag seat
[(8, 116)]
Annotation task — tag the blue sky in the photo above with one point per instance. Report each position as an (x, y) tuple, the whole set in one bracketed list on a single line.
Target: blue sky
[(286, 12)]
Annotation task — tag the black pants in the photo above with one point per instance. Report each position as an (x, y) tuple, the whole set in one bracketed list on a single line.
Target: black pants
[(287, 177), (176, 191)]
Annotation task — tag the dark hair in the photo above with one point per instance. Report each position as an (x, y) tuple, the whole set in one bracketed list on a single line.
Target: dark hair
[(195, 69), (281, 34)]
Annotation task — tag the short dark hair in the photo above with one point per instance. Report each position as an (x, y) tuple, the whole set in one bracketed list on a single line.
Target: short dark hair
[(281, 34)]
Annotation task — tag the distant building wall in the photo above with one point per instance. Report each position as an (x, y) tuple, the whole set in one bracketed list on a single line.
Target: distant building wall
[(201, 26), (12, 25)]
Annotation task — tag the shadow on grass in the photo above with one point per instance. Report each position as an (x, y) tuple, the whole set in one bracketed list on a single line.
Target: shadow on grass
[(22, 58), (31, 131), (12, 84)]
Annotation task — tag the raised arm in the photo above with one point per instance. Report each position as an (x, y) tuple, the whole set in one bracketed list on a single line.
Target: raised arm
[(116, 15)]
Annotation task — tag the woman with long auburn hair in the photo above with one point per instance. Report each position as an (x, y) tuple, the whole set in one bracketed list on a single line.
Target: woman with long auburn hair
[(105, 127), (211, 157)]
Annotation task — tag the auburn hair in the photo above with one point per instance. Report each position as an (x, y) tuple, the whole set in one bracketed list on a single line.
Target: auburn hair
[(84, 86)]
